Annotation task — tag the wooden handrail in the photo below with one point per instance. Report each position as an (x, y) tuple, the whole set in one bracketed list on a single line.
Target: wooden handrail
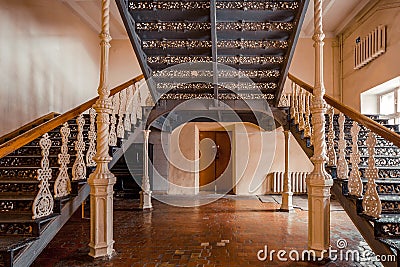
[(353, 114), (27, 137)]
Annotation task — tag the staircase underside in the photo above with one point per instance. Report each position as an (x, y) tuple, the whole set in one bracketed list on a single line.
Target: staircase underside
[(252, 42)]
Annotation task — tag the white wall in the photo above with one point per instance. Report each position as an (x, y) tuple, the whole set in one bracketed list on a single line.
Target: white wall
[(49, 61), (382, 69), (255, 154), (304, 61)]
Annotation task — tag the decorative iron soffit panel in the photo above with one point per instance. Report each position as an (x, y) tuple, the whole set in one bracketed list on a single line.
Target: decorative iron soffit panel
[(169, 5), (176, 44), (220, 96), (206, 86), (221, 26), (250, 59), (254, 26), (177, 59), (188, 5), (221, 73), (252, 44), (173, 26), (223, 59), (229, 44), (258, 5)]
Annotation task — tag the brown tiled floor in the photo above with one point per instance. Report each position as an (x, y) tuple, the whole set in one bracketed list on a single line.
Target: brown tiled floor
[(228, 232)]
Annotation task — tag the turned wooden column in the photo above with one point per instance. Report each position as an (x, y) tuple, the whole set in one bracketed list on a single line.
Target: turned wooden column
[(145, 194), (287, 195), (102, 180), (319, 181)]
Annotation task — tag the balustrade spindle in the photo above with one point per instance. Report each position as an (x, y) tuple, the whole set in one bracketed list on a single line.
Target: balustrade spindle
[(307, 126), (331, 153), (113, 121), (283, 102), (342, 169), (79, 167), (371, 203), (121, 113), (136, 105), (44, 202), (301, 109), (292, 103), (355, 184), (62, 185), (129, 109), (139, 111), (150, 102), (296, 106), (92, 139)]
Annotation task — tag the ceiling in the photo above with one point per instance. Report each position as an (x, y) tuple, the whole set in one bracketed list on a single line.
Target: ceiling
[(337, 13), (89, 12)]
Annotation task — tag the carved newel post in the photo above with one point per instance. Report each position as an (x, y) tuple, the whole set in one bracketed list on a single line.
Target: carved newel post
[(319, 181), (145, 194), (287, 195), (102, 180)]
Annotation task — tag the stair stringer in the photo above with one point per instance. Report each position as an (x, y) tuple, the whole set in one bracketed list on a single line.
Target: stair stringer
[(365, 228), (32, 251)]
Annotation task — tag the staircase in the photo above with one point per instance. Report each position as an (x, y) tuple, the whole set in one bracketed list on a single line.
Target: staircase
[(176, 43), (44, 168), (376, 213)]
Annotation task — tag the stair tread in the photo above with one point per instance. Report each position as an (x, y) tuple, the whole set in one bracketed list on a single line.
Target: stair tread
[(391, 242), (13, 180), (377, 156), (10, 243), (388, 218), (32, 156), (22, 218), (18, 195), (26, 167), (387, 197), (379, 168), (384, 180)]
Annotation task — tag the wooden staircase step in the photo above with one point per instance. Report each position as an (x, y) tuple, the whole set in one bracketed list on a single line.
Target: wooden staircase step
[(10, 246), (23, 218), (12, 243), (21, 196)]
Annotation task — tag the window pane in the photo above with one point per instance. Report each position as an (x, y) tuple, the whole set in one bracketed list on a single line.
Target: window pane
[(397, 100), (387, 104)]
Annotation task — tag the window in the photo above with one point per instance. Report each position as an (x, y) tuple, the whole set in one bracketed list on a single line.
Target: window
[(383, 99), (387, 104), (389, 107)]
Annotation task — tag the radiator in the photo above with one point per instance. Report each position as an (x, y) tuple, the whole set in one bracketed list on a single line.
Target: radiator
[(298, 181), (370, 47)]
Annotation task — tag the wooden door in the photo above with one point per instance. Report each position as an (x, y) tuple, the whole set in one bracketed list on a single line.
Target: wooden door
[(224, 152), (207, 174), (223, 172), (214, 178)]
